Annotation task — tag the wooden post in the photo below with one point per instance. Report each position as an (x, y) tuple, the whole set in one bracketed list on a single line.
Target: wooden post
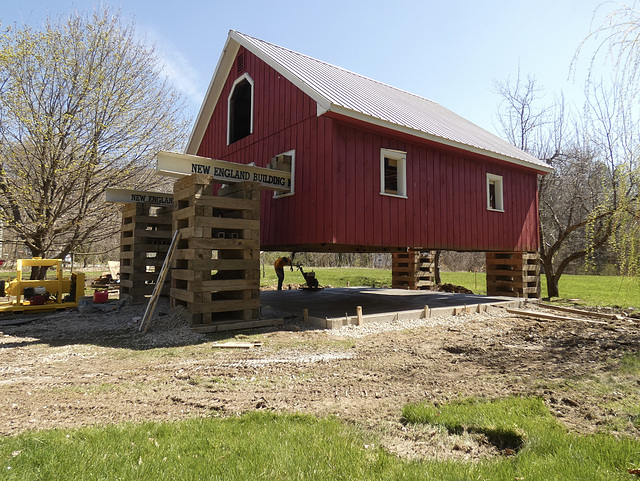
[(359, 315)]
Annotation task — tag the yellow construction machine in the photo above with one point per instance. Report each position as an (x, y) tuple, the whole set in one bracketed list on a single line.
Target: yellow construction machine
[(58, 293)]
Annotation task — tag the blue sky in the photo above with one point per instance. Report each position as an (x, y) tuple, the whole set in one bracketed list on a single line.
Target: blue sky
[(450, 51)]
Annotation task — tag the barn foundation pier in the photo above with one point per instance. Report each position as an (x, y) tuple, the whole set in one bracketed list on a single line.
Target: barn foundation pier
[(513, 274), (216, 266), (413, 270), (145, 237)]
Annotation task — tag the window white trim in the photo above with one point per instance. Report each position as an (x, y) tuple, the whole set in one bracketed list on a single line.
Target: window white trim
[(292, 154), (243, 77), (399, 159), (495, 194)]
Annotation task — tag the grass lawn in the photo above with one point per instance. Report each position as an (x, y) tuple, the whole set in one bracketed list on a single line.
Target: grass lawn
[(331, 276), (529, 444), (614, 291)]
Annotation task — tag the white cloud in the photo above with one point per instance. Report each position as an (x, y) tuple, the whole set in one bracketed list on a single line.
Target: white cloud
[(177, 68)]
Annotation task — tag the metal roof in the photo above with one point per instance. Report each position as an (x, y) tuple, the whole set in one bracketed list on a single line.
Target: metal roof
[(343, 92)]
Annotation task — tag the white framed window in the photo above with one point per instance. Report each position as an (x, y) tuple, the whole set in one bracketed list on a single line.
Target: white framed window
[(495, 198), (240, 109), (285, 161), (393, 173)]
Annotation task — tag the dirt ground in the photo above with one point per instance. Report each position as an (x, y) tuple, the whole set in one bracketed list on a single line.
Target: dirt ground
[(74, 369)]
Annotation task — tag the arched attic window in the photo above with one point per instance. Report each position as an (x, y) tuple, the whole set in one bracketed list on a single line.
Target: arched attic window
[(240, 122)]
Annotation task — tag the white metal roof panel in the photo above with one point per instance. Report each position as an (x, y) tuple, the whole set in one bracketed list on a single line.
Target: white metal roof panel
[(341, 91), (348, 93)]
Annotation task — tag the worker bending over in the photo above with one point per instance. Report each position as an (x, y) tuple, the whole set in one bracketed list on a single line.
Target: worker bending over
[(279, 266)]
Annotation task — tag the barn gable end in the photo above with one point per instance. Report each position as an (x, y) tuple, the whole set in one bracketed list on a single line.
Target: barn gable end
[(337, 202)]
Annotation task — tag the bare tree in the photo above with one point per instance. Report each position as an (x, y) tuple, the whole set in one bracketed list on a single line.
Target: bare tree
[(84, 106), (573, 220), (579, 201), (616, 42), (613, 48)]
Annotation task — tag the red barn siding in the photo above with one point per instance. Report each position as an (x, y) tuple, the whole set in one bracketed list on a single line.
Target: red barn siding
[(337, 180), (446, 204)]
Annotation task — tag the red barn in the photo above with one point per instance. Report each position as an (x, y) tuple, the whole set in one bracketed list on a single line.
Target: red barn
[(374, 168)]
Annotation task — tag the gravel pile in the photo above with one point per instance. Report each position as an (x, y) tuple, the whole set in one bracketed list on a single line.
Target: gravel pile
[(114, 323)]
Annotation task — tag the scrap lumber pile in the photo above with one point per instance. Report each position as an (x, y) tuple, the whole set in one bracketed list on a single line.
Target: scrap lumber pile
[(105, 281), (562, 313)]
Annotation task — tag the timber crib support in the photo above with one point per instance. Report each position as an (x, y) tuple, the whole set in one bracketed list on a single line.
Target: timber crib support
[(216, 267), (413, 270), (513, 274), (144, 241)]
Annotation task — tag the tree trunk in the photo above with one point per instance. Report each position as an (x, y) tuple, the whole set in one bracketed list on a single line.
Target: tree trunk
[(37, 272), (552, 279), (552, 285), (436, 262)]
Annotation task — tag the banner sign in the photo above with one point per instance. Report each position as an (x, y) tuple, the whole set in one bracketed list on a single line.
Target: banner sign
[(127, 196), (178, 165)]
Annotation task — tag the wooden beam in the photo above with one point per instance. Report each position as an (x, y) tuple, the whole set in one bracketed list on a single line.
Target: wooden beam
[(581, 312), (128, 196), (236, 345), (553, 317), (173, 164)]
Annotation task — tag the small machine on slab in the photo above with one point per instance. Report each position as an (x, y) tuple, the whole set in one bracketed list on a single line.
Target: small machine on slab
[(310, 279)]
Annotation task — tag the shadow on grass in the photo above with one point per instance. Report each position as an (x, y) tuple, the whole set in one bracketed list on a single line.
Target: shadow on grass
[(502, 439)]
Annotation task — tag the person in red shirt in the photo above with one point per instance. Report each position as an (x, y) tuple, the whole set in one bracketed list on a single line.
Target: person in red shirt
[(279, 267)]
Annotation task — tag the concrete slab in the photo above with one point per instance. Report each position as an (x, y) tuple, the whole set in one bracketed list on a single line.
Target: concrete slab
[(335, 307)]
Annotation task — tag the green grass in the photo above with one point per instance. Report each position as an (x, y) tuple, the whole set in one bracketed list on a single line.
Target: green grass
[(267, 446), (332, 276), (613, 291), (544, 450), (477, 282), (254, 446)]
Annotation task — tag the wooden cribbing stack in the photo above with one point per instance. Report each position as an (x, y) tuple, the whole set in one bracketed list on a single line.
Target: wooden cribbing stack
[(513, 274), (413, 270), (144, 241), (216, 264), (216, 271)]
